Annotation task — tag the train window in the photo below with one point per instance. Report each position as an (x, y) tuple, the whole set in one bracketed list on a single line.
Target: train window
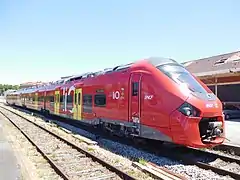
[(69, 99), (40, 99), (182, 77), (75, 98), (100, 100), (61, 98), (87, 103), (79, 98), (135, 88), (51, 98)]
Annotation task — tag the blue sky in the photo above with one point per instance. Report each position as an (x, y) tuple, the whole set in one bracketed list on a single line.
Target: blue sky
[(44, 40)]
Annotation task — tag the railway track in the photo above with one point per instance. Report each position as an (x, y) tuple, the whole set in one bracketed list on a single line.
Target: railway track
[(68, 160), (220, 164), (223, 165), (227, 148)]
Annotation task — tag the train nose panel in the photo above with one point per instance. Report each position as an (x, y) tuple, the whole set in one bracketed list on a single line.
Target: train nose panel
[(197, 131)]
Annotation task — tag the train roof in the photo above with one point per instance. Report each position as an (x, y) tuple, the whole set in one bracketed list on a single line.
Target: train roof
[(155, 61)]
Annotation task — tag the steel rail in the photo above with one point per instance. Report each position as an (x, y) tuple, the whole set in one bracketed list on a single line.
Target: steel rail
[(122, 174), (183, 156), (167, 152), (229, 148), (53, 165)]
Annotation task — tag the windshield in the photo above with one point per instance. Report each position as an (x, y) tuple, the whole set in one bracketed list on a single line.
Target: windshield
[(182, 77)]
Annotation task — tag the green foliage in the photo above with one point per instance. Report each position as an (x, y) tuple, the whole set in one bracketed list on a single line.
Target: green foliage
[(142, 161), (5, 87)]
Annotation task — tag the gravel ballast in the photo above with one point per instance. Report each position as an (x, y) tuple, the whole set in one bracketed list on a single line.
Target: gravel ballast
[(120, 154)]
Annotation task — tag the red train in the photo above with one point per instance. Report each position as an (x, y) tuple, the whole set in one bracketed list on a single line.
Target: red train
[(154, 98)]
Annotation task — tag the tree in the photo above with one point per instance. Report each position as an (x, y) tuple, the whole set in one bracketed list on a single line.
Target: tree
[(5, 87)]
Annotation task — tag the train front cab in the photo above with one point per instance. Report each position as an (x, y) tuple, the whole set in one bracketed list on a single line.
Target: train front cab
[(203, 127), (165, 97), (198, 121)]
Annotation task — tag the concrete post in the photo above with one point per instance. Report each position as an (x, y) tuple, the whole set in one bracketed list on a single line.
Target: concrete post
[(216, 86)]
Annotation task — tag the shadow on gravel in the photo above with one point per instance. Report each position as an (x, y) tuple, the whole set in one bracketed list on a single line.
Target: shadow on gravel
[(124, 150)]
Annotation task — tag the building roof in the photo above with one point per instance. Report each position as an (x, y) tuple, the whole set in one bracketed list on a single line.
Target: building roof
[(30, 84), (215, 65)]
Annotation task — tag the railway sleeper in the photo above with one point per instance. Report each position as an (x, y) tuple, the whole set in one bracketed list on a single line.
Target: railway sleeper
[(85, 171), (104, 176)]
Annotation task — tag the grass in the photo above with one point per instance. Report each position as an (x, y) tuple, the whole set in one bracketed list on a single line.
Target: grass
[(131, 172), (142, 161), (90, 149), (117, 161)]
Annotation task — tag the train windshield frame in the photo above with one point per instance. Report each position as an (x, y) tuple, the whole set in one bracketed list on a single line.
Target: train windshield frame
[(182, 77)]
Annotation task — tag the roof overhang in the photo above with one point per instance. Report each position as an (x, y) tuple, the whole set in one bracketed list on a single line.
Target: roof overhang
[(219, 73)]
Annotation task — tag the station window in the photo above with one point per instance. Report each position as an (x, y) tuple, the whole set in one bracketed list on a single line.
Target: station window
[(100, 100), (135, 86), (87, 103)]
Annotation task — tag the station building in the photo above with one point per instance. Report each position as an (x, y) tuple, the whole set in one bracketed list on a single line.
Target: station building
[(221, 74), (30, 84)]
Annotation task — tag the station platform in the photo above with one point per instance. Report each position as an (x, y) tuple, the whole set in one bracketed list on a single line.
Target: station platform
[(232, 129), (9, 169), (2, 99)]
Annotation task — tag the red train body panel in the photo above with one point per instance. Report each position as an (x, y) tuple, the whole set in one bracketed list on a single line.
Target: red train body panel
[(155, 98)]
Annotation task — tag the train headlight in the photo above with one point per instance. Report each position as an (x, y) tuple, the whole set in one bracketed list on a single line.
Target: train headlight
[(189, 110), (186, 111)]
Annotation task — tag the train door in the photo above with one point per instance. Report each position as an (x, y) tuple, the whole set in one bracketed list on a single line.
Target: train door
[(57, 102), (135, 98), (77, 104)]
